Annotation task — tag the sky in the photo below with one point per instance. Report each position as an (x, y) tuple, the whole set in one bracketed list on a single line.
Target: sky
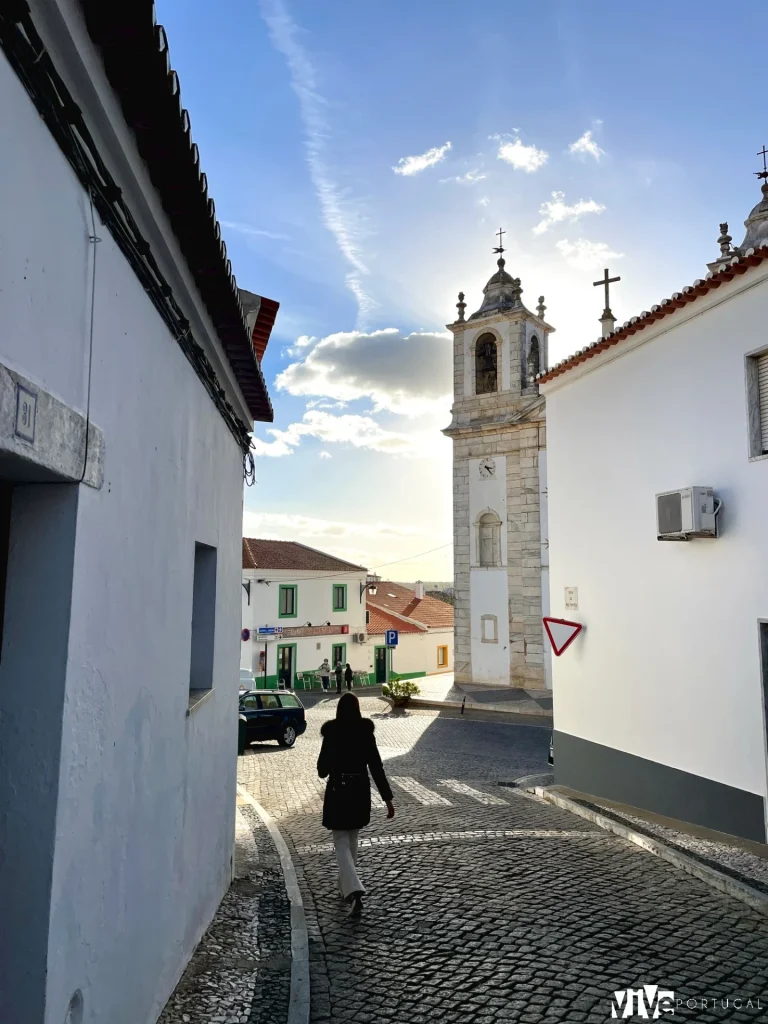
[(363, 153)]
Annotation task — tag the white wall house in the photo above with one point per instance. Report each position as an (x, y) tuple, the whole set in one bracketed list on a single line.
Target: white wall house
[(661, 702), (499, 474), (425, 631), (316, 602), (124, 419)]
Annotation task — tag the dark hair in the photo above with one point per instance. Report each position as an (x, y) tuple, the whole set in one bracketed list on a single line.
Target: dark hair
[(348, 709)]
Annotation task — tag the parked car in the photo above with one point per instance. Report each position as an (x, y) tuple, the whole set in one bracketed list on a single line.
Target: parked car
[(246, 679), (270, 715)]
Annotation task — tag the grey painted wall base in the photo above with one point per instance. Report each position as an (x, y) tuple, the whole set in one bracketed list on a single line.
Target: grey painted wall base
[(591, 768), (56, 450)]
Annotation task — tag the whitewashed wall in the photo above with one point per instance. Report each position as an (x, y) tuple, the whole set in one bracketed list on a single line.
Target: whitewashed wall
[(668, 668), (146, 794), (489, 587)]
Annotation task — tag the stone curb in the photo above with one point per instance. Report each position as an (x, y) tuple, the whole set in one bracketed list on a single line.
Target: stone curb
[(298, 1006), (424, 702), (738, 890)]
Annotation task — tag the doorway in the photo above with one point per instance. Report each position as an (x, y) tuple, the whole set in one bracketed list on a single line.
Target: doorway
[(286, 665), (339, 653), (380, 662)]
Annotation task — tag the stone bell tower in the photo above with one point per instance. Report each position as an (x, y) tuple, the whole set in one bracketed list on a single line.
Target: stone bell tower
[(499, 487)]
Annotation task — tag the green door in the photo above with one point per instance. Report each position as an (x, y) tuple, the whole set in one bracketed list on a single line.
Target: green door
[(286, 666), (381, 665)]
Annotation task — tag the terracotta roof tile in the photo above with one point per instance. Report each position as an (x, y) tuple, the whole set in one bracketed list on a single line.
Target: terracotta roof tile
[(287, 554), (738, 265), (403, 601), (380, 622)]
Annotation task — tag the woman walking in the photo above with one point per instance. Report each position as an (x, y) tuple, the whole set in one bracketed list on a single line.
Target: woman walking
[(348, 676), (349, 750)]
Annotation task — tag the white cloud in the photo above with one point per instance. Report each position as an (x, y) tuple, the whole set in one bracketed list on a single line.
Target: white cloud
[(246, 229), (405, 374), (342, 214), (357, 431), (585, 255), (586, 146), (521, 157), (291, 526), (556, 210), (408, 165), (325, 455), (470, 178), (484, 201)]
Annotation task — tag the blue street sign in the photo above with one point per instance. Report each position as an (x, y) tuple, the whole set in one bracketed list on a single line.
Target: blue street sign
[(270, 630), (391, 638)]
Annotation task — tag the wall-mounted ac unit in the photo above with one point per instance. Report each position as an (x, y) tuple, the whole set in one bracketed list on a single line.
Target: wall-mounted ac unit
[(358, 638), (689, 512)]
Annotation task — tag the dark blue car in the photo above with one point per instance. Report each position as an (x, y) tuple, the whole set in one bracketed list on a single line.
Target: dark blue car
[(270, 715)]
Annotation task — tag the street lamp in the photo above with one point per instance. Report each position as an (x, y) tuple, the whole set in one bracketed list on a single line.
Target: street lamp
[(370, 586)]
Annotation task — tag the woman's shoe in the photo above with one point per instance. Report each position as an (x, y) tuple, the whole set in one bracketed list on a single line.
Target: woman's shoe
[(357, 904)]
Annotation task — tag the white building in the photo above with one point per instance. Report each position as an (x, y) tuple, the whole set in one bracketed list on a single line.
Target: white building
[(315, 601), (661, 702), (499, 492), (425, 631), (128, 386)]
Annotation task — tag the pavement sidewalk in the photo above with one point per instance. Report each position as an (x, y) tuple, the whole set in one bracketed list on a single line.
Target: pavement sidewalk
[(441, 689)]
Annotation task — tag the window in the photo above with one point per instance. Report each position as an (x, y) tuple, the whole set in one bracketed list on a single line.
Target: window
[(339, 597), (367, 618), (485, 365), (250, 703), (489, 629), (757, 397), (287, 607), (442, 657), (489, 539), (288, 700), (269, 702), (203, 619), (534, 361)]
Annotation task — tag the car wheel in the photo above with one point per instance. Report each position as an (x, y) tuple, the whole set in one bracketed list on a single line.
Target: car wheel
[(287, 737)]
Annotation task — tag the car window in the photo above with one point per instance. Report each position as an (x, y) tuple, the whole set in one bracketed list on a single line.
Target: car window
[(251, 703), (268, 701), (288, 700)]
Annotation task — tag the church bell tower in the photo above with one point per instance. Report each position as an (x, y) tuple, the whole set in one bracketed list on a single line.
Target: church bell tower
[(499, 487)]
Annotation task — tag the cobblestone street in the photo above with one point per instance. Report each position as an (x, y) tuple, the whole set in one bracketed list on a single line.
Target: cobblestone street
[(487, 905)]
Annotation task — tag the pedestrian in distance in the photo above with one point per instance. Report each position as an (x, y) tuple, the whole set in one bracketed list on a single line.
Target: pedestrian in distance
[(325, 674), (339, 672), (348, 677), (348, 752)]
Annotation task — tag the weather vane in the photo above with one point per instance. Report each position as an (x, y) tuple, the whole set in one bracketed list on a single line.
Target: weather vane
[(500, 247), (764, 172)]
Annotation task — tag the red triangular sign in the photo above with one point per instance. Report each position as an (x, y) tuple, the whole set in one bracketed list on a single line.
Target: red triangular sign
[(561, 633)]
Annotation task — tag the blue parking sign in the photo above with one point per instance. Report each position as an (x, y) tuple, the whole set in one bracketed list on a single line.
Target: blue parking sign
[(391, 638)]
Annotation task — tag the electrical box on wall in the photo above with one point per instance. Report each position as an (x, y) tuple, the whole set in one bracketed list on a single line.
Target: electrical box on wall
[(687, 513)]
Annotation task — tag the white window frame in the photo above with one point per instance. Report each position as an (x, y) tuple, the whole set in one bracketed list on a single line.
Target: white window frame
[(757, 417)]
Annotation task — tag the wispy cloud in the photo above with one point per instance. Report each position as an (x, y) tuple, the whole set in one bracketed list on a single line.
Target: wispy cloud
[(357, 431), (470, 178), (342, 214), (518, 155), (408, 165), (246, 229), (586, 146), (556, 210), (483, 201), (325, 455), (585, 255)]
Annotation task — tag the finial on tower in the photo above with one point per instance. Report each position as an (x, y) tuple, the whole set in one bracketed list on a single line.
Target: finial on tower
[(724, 241), (461, 306), (541, 308), (500, 249), (764, 173), (607, 319)]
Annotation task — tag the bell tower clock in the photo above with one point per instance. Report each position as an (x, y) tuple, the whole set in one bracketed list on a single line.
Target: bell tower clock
[(499, 441)]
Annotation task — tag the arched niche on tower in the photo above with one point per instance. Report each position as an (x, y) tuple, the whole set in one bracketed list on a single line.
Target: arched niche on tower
[(488, 539), (486, 360), (533, 360)]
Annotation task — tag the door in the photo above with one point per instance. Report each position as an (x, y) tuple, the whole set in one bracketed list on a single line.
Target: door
[(339, 653), (381, 665), (270, 716), (285, 666), (250, 707)]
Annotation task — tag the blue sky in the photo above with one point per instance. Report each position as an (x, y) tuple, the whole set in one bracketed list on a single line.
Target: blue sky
[(595, 133)]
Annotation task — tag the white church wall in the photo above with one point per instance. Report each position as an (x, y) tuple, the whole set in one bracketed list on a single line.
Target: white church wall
[(487, 494), (488, 592), (668, 668)]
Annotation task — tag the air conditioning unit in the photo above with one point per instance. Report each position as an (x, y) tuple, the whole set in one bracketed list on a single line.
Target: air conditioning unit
[(358, 638), (690, 512)]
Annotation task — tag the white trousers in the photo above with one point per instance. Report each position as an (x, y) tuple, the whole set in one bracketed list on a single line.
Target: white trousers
[(345, 842)]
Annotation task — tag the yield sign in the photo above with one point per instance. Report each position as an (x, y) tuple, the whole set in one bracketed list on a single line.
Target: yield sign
[(561, 633)]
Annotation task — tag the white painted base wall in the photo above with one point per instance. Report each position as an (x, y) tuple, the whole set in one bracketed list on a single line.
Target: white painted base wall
[(489, 595)]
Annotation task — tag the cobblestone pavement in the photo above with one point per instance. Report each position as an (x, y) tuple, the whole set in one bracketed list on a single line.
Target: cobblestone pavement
[(241, 971), (481, 910)]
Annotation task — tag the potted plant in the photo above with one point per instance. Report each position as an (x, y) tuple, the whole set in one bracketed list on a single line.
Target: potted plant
[(399, 691)]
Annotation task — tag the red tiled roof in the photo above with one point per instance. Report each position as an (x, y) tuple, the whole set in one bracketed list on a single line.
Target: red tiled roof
[(738, 265), (380, 622), (287, 554), (403, 601)]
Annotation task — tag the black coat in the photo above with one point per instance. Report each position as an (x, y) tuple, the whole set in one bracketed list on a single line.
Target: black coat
[(345, 757)]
